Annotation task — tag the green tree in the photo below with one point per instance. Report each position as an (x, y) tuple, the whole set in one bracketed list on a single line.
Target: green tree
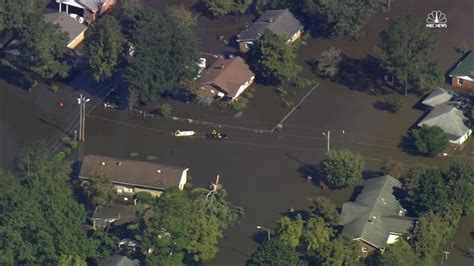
[(460, 178), (316, 234), (430, 237), (431, 193), (392, 167), (42, 48), (430, 140), (399, 254), (340, 251), (328, 62), (14, 14), (40, 221), (324, 208), (341, 18), (220, 8), (275, 252), (67, 260), (394, 102), (105, 46), (406, 53), (100, 190), (274, 60), (166, 54), (290, 231), (342, 168)]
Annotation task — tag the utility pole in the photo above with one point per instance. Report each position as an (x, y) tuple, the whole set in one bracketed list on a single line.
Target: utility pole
[(328, 137), (82, 100)]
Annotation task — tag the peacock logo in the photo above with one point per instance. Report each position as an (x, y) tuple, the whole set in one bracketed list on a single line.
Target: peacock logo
[(436, 19)]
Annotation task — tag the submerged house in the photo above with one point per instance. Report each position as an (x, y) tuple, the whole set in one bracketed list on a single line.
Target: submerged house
[(89, 9), (281, 22), (446, 115), (130, 176), (376, 218), (72, 27), (226, 78), (462, 76)]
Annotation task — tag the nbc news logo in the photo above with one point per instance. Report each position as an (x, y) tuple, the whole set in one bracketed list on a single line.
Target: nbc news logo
[(436, 19)]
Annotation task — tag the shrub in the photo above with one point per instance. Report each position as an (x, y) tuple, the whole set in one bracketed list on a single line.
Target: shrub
[(144, 197), (342, 168), (394, 102), (302, 83), (165, 110), (134, 154), (73, 144), (151, 157), (328, 62), (239, 104), (430, 141), (55, 88), (67, 151), (249, 94)]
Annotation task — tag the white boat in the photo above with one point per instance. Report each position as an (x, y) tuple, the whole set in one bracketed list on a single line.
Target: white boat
[(181, 133)]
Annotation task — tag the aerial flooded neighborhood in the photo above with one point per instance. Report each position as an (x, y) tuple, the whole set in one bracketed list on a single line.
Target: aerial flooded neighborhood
[(236, 132)]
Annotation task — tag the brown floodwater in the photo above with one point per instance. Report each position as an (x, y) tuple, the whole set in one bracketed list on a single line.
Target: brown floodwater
[(265, 174)]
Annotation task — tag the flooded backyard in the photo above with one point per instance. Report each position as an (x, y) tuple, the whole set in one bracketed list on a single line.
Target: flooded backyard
[(263, 173)]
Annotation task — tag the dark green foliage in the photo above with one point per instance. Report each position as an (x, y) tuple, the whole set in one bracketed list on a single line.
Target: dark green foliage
[(394, 102), (14, 14), (342, 18), (302, 83), (290, 231), (186, 225), (340, 251), (431, 191), (144, 197), (275, 252), (105, 46), (100, 190), (274, 60), (220, 8), (324, 208), (166, 54), (239, 104), (165, 110), (342, 168), (461, 181), (399, 254), (316, 235), (39, 219), (430, 237), (429, 140), (406, 53)]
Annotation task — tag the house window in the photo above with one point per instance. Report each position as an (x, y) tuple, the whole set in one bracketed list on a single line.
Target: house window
[(128, 189), (365, 250), (460, 81)]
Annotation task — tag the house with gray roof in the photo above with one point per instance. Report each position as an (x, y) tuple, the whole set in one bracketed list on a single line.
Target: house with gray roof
[(281, 22), (89, 9), (74, 29), (462, 76), (451, 120), (437, 97), (376, 218)]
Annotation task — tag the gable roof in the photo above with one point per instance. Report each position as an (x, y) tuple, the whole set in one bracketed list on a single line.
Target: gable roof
[(228, 75), (465, 67), (448, 118), (92, 5), (118, 260), (67, 24), (375, 213), (279, 21), (118, 212), (131, 172), (437, 97)]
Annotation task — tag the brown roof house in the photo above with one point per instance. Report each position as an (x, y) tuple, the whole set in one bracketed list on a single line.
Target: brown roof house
[(227, 78), (89, 9), (72, 27), (376, 218), (129, 176), (462, 76)]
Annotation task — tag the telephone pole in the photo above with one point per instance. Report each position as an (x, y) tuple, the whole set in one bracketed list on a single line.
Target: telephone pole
[(328, 137), (82, 100)]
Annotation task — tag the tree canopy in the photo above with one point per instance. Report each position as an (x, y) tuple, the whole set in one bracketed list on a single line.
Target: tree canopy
[(275, 252), (219, 8), (105, 46), (324, 208), (165, 54), (430, 140), (342, 168), (274, 60), (406, 53), (40, 221)]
